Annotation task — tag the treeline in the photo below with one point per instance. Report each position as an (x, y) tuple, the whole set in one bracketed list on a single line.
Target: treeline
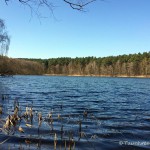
[(122, 65), (9, 66)]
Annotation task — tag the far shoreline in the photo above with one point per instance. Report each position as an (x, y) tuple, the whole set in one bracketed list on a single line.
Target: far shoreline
[(77, 75), (116, 76)]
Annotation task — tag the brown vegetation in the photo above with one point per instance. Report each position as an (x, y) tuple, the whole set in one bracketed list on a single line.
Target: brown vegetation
[(9, 66)]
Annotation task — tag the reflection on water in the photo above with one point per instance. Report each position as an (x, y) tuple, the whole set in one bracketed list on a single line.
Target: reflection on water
[(76, 112)]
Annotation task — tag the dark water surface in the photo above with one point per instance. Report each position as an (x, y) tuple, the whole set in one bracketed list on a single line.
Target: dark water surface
[(117, 112)]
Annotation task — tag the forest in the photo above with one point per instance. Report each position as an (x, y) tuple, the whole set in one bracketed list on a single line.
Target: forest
[(122, 65), (10, 66)]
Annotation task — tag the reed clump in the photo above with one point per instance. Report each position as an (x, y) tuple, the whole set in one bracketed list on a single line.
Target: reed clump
[(22, 122)]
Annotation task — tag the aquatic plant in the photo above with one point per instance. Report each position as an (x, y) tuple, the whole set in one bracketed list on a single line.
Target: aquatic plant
[(27, 121)]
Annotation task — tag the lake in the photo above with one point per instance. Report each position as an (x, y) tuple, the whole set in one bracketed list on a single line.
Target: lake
[(87, 113)]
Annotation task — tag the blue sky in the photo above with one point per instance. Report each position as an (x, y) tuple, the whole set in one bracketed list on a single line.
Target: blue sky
[(110, 27)]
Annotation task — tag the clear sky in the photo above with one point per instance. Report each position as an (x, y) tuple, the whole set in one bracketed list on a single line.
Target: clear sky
[(109, 27)]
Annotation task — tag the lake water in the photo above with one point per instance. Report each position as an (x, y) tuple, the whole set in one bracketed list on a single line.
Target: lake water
[(89, 113)]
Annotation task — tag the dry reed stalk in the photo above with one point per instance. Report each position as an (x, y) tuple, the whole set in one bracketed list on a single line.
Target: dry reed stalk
[(39, 116), (50, 115), (80, 128), (74, 146), (29, 125), (58, 116), (61, 132), (55, 141), (20, 129), (31, 114), (85, 113), (8, 123), (1, 110), (65, 144)]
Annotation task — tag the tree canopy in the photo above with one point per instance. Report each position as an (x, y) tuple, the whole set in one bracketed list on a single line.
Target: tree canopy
[(122, 65)]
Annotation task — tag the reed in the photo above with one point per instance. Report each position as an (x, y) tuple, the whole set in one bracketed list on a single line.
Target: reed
[(21, 122)]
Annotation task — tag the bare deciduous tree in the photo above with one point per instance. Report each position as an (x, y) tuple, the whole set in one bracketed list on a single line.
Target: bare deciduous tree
[(4, 39), (75, 4), (78, 4)]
